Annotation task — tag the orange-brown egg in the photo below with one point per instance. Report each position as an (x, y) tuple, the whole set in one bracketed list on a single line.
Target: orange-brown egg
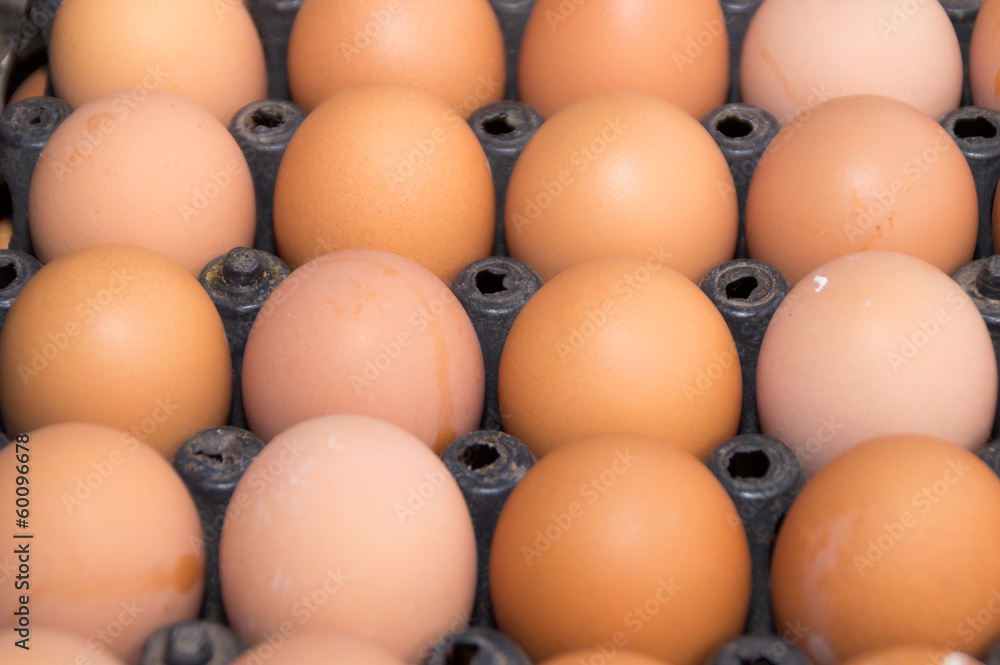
[(370, 332), (620, 345), (856, 173), (209, 52), (33, 86), (621, 174), (603, 656), (450, 48), (119, 335), (385, 166), (893, 542), (156, 171), (984, 56), (797, 54), (675, 50), (620, 541), (116, 551)]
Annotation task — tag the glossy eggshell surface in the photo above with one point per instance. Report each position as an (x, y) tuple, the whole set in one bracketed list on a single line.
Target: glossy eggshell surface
[(675, 50), (894, 541), (117, 335), (857, 173), (799, 53), (161, 174), (385, 166), (620, 345), (453, 49), (871, 344), (621, 174), (209, 52), (364, 331), (117, 551), (620, 541), (355, 526)]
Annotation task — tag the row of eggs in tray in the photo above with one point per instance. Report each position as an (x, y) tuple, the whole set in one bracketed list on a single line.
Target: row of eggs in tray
[(352, 523)]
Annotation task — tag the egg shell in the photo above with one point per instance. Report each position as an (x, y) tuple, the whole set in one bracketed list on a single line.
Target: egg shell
[(355, 526), (370, 332), (451, 48), (118, 335), (912, 655), (872, 344), (33, 86), (857, 173), (316, 647), (117, 550), (159, 172), (798, 53), (675, 50), (209, 52), (621, 174), (50, 647), (984, 56), (620, 541), (593, 656), (891, 543), (385, 166), (620, 345)]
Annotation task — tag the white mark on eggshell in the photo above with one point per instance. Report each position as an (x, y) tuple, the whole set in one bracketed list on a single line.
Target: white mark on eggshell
[(820, 282)]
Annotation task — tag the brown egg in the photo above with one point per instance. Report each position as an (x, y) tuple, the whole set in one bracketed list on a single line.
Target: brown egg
[(118, 335), (385, 166), (33, 86), (913, 655), (364, 331), (675, 50), (156, 171), (871, 344), (315, 647), (620, 541), (797, 54), (603, 656), (893, 542), (862, 172), (351, 524), (116, 548), (621, 174), (984, 57), (6, 231), (50, 647), (450, 48), (209, 52), (620, 345)]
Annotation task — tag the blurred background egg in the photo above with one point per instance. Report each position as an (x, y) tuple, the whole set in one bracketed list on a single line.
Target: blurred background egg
[(984, 56), (857, 173), (33, 86), (364, 331), (51, 647), (675, 50), (385, 166), (113, 172), (621, 174), (872, 344), (912, 655), (619, 541), (318, 647), (119, 335), (209, 52), (354, 525), (799, 53), (117, 550), (450, 48), (620, 345), (893, 543)]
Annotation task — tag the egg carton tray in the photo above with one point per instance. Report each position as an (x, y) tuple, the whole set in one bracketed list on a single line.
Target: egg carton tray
[(761, 474)]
